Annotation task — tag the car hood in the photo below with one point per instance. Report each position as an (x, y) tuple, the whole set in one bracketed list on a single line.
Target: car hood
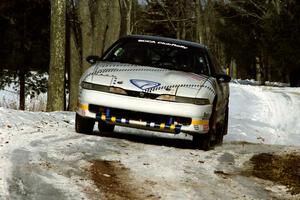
[(145, 79)]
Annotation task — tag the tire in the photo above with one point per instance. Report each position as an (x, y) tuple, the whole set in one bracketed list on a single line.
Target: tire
[(222, 129), (84, 125), (225, 125), (202, 142), (219, 135), (105, 127)]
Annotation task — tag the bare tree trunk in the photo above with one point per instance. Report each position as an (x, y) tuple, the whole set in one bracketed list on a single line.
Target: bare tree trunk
[(258, 70), (96, 25), (177, 30), (86, 31), (112, 32), (199, 21), (126, 8), (269, 74), (22, 90), (266, 65), (107, 20), (208, 15), (75, 72), (56, 80), (100, 26)]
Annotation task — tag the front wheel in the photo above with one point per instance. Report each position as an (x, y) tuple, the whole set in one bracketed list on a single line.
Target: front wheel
[(202, 142), (83, 124), (222, 129)]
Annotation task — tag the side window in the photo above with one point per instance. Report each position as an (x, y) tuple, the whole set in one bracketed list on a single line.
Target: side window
[(118, 54), (202, 65)]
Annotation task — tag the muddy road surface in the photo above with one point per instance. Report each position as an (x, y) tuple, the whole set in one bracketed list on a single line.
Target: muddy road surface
[(42, 157)]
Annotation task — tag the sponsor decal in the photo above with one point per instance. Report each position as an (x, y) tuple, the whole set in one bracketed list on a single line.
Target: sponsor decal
[(206, 115), (163, 43), (142, 94), (198, 77), (144, 84), (113, 119), (147, 41)]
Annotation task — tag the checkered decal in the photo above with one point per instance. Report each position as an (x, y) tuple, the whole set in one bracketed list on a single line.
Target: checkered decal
[(117, 120)]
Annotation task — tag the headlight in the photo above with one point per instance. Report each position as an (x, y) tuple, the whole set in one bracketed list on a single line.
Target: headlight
[(103, 88), (91, 86), (200, 101), (117, 90), (179, 99), (86, 85), (166, 98)]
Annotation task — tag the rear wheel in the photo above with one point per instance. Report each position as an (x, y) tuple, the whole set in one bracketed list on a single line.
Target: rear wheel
[(84, 125), (105, 127)]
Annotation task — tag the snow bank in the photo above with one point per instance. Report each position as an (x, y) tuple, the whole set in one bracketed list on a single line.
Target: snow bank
[(264, 114)]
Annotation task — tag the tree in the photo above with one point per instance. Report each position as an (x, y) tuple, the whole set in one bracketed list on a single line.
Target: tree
[(93, 26), (261, 37), (56, 83), (168, 18), (126, 12), (24, 45)]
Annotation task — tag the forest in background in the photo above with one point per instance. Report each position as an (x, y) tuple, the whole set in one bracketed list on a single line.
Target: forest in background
[(254, 39)]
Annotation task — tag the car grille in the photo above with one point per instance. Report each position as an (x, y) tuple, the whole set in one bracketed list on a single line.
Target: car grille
[(141, 116), (142, 94)]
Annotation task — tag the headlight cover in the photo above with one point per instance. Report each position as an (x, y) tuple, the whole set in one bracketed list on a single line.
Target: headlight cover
[(91, 86), (103, 88), (179, 99), (117, 90)]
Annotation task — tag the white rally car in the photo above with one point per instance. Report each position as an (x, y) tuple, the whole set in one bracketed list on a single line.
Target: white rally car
[(158, 84)]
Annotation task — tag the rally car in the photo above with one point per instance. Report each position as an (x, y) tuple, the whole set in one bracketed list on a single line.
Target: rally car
[(155, 83)]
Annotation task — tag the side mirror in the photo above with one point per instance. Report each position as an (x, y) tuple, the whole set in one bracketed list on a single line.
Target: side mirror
[(223, 78), (92, 59)]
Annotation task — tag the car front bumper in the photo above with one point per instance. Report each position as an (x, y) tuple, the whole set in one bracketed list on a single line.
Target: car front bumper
[(197, 115)]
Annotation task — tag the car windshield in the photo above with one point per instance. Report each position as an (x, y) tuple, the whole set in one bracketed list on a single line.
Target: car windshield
[(159, 55)]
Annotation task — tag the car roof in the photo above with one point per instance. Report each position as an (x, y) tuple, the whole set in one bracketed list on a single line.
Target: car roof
[(165, 39)]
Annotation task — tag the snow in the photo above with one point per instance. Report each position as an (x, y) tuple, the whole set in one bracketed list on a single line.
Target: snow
[(264, 114), (40, 153), (9, 98)]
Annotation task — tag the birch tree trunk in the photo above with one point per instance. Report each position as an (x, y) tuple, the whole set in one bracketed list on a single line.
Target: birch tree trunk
[(56, 80)]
